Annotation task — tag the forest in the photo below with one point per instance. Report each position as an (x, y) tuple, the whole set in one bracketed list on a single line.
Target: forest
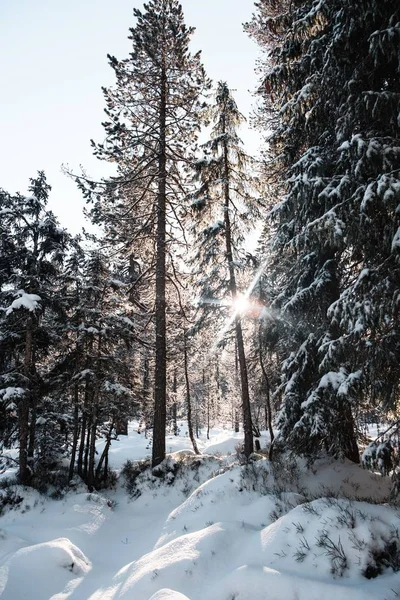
[(216, 288)]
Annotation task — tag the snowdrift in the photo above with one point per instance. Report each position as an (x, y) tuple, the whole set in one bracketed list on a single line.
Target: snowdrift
[(207, 529)]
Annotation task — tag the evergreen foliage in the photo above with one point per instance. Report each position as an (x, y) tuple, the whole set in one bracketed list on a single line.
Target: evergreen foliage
[(153, 119), (224, 205), (33, 251), (332, 85), (65, 343)]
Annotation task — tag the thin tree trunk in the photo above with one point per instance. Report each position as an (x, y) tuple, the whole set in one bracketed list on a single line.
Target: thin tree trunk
[(268, 410), (347, 433), (208, 402), (174, 406), (188, 400), (75, 434), (247, 425), (32, 427), (87, 447), (235, 411), (79, 466), (160, 384), (145, 394), (23, 412), (104, 455), (92, 452), (208, 418)]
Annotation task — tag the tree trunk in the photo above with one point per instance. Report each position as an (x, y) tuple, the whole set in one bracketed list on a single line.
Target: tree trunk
[(87, 447), (160, 384), (247, 425), (75, 434), (188, 401), (209, 403), (92, 453), (174, 406), (23, 408), (146, 409), (79, 466), (235, 411), (121, 426), (347, 429), (32, 426), (208, 417), (104, 457), (268, 410)]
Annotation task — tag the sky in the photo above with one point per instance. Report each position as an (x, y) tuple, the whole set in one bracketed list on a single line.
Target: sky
[(54, 63)]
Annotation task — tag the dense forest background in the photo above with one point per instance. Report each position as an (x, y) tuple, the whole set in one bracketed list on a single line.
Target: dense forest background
[(169, 311)]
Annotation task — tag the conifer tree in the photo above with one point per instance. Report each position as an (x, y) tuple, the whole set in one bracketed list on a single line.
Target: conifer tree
[(153, 118), (222, 207), (100, 372), (34, 248), (331, 85)]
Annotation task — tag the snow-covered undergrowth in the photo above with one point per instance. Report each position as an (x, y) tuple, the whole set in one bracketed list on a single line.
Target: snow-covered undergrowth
[(205, 528)]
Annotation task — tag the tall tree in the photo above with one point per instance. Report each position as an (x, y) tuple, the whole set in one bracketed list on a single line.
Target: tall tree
[(35, 248), (224, 204), (153, 112), (331, 82)]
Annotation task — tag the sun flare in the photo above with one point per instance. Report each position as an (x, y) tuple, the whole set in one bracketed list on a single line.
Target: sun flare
[(240, 304)]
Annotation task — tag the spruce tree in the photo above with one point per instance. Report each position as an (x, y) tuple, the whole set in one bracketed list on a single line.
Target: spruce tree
[(331, 85), (223, 209), (101, 373), (34, 248), (153, 118)]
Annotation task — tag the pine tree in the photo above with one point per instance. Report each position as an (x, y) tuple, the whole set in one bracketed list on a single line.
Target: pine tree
[(34, 249), (153, 113), (222, 207), (332, 87), (100, 372)]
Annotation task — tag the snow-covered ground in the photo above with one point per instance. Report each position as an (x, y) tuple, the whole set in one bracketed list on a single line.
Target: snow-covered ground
[(206, 529)]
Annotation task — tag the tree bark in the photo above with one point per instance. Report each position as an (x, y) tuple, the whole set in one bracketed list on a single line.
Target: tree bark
[(247, 425), (188, 400), (174, 406), (92, 452), (268, 410), (75, 434), (104, 457), (160, 384), (347, 433), (79, 466), (32, 424), (23, 408)]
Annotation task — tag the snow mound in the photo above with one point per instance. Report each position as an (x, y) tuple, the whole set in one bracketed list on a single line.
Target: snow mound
[(49, 566), (329, 477), (168, 595), (327, 549), (224, 498), (337, 538), (190, 562), (205, 528), (226, 442), (180, 473)]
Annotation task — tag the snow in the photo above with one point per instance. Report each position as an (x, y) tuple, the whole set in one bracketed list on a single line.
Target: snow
[(168, 595), (10, 393), (24, 300), (209, 529), (396, 240)]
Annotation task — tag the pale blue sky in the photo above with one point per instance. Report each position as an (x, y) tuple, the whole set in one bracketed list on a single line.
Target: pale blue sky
[(54, 64)]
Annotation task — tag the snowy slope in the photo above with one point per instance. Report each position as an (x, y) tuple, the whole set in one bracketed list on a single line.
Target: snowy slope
[(214, 530)]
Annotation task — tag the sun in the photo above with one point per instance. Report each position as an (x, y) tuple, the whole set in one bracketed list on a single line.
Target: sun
[(240, 304)]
